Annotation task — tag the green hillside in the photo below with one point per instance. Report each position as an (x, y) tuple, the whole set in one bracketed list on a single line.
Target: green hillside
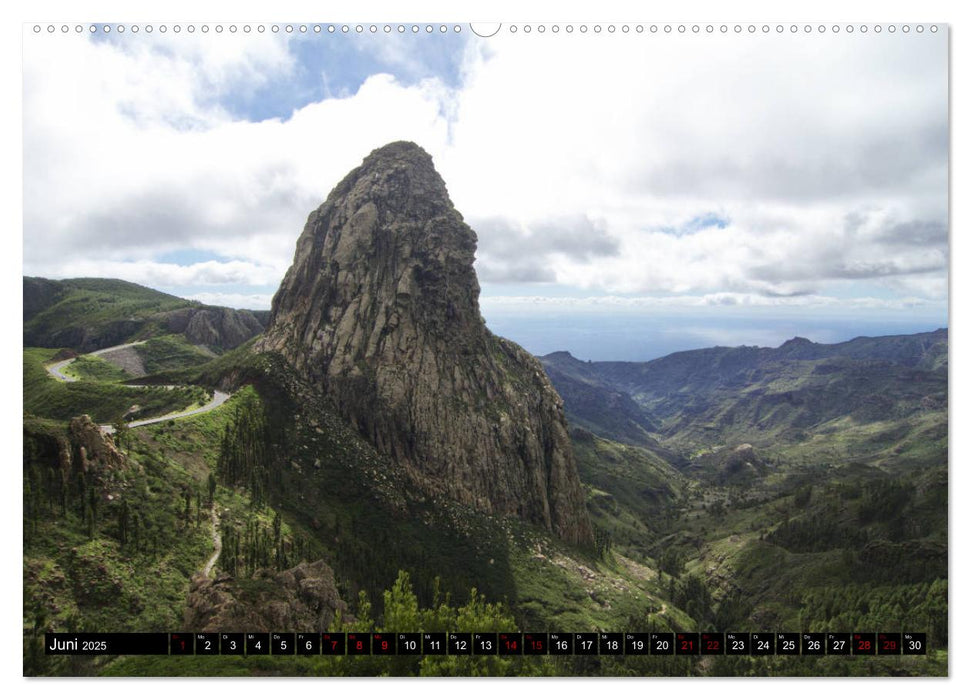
[(801, 488), (88, 314), (98, 394), (868, 399), (92, 314), (169, 352)]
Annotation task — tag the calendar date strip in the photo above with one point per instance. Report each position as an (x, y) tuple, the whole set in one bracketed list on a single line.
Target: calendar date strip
[(488, 643)]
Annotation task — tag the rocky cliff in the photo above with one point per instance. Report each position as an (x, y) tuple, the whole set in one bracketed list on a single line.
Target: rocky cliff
[(302, 598), (380, 308), (214, 326)]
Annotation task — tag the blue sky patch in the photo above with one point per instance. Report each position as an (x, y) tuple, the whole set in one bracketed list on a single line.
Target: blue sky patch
[(190, 256), (699, 223), (334, 66)]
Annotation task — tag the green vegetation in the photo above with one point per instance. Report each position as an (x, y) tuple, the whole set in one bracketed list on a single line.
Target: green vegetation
[(401, 611), (256, 537), (782, 501), (90, 313), (94, 369), (169, 352), (108, 545), (104, 401), (244, 459), (240, 361), (632, 492)]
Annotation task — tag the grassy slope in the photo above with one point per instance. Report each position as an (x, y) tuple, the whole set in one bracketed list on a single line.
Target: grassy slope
[(114, 309), (170, 352), (95, 369), (76, 578), (337, 490), (103, 400), (631, 491)]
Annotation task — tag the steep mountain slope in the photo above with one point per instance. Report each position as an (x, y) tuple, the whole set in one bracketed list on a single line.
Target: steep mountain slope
[(379, 434), (89, 314), (380, 308), (592, 405)]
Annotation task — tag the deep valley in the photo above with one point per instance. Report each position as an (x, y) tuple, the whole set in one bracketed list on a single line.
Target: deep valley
[(386, 463)]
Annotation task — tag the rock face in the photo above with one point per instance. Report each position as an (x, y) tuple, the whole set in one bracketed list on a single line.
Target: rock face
[(380, 308), (214, 326), (302, 598), (91, 448)]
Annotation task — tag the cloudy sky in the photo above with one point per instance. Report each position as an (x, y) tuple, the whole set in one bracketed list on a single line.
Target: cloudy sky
[(632, 194)]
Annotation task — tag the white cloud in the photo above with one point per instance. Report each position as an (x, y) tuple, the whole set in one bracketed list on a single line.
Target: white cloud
[(113, 172), (169, 275), (234, 301), (785, 137), (579, 159)]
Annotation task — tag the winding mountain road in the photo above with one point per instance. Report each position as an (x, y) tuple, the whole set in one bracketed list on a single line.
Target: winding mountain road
[(218, 397), (56, 368)]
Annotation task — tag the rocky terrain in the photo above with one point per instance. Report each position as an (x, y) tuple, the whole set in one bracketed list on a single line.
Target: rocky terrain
[(385, 458), (127, 359), (214, 326), (380, 308), (302, 598)]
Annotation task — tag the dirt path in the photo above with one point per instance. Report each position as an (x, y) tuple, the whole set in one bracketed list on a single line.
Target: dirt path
[(217, 543)]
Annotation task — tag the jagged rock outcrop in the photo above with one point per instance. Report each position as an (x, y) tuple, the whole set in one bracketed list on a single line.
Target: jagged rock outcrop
[(214, 326), (92, 450), (67, 467), (380, 308), (302, 598)]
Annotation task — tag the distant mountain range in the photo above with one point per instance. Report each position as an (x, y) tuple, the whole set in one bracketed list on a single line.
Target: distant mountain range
[(382, 446), (759, 395)]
